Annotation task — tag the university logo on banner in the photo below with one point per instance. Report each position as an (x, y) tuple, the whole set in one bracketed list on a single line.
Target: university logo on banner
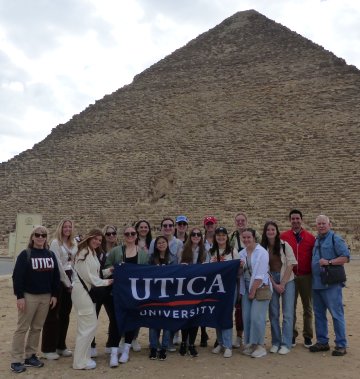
[(176, 296)]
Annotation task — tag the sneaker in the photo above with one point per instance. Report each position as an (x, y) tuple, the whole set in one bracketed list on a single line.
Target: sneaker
[(91, 364), (192, 351), (114, 360), (283, 350), (293, 344), (338, 352), (236, 342), (50, 356), (274, 349), (248, 350), (93, 352), (183, 349), (135, 345), (33, 361), (64, 353), (177, 339), (162, 355), (319, 347), (217, 349), (259, 352), (227, 353), (171, 347), (307, 342), (17, 367), (153, 354)]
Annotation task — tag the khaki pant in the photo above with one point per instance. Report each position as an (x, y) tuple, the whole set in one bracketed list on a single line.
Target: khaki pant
[(304, 289), (30, 321)]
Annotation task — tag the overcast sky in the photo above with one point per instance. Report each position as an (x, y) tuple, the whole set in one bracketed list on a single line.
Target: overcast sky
[(59, 56)]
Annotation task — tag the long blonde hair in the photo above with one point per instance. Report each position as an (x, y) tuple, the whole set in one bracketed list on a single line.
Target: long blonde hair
[(59, 234)]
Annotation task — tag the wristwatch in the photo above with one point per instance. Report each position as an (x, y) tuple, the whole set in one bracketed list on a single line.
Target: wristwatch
[(330, 262)]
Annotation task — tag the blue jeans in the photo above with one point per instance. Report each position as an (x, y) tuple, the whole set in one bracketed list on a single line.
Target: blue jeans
[(154, 337), (329, 299), (224, 337), (282, 337), (254, 318)]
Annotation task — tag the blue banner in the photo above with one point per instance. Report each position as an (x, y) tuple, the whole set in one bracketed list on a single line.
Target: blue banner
[(176, 296)]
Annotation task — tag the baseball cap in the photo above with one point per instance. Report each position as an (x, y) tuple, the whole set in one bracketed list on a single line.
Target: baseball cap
[(221, 229), (182, 218), (210, 219)]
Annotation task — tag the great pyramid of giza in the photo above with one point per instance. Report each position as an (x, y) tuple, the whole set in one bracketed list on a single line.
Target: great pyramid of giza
[(247, 116)]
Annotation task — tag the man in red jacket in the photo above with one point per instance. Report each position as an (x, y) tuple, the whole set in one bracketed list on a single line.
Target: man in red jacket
[(302, 243)]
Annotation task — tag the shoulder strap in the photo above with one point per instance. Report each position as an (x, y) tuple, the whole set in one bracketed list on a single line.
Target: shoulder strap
[(28, 254), (238, 241), (283, 247)]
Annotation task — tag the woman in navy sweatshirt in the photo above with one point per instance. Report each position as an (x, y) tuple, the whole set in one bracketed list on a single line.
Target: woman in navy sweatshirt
[(36, 281)]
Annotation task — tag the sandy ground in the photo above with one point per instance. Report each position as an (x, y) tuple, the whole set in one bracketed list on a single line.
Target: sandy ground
[(299, 363)]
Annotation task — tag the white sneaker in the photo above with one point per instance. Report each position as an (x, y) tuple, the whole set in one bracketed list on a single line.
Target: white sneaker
[(135, 345), (171, 347), (259, 352), (93, 352), (91, 364), (125, 354), (274, 349), (65, 352), (283, 350), (227, 353), (237, 342), (217, 349), (114, 360), (51, 356), (248, 350)]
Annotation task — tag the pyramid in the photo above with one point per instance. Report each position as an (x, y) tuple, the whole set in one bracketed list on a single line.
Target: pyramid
[(247, 116)]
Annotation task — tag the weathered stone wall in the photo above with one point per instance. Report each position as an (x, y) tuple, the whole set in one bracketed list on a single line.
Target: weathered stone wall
[(247, 116)]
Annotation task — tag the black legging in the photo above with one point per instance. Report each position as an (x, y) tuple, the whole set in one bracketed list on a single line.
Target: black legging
[(190, 334)]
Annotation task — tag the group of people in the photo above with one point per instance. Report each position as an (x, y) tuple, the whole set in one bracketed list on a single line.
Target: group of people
[(274, 269)]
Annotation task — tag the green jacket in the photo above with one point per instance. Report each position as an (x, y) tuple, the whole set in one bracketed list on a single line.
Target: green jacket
[(117, 254)]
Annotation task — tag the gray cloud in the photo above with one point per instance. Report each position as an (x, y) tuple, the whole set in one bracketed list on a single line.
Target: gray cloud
[(35, 26)]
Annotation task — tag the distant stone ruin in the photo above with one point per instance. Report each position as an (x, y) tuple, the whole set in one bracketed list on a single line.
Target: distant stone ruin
[(247, 116)]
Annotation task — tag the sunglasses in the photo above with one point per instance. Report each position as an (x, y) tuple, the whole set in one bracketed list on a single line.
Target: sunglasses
[(168, 225), (38, 235), (128, 234), (108, 234), (194, 234), (182, 223)]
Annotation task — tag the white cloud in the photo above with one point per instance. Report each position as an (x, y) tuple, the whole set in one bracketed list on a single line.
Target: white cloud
[(57, 57)]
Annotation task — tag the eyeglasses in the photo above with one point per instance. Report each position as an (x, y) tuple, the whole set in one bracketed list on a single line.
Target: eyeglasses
[(108, 234), (38, 235), (182, 223), (128, 234), (194, 234), (168, 225)]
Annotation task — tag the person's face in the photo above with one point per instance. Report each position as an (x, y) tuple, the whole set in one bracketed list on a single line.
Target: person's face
[(195, 236), (67, 229), (95, 242), (221, 239), (322, 225), (248, 239), (182, 226), (162, 245), (110, 235), (167, 228), (210, 227), (130, 235), (295, 221), (143, 229), (271, 232), (39, 239), (240, 222)]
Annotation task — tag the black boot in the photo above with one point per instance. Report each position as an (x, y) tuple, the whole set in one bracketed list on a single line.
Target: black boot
[(183, 348), (192, 351)]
